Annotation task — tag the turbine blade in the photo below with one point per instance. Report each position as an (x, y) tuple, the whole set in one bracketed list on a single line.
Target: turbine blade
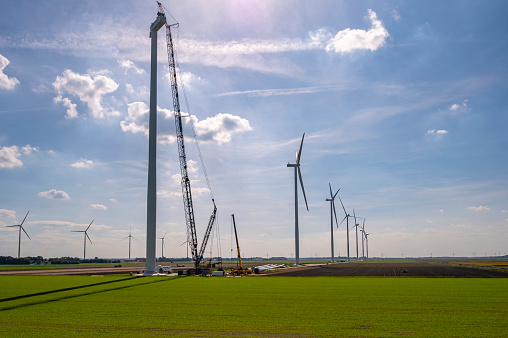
[(342, 221), (343, 206), (299, 154), (303, 189), (25, 233), (77, 231), (335, 193), (331, 194), (25, 218), (88, 237), (12, 226), (89, 226), (335, 213), (354, 215)]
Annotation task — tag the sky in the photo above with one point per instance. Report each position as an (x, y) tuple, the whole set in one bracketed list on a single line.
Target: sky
[(403, 106)]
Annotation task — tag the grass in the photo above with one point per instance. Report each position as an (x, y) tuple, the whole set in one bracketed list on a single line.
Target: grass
[(255, 306)]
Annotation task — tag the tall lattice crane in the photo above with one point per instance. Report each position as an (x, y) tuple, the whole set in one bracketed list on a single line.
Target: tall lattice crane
[(197, 256)]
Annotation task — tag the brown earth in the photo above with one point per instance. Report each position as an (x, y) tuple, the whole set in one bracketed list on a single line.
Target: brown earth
[(409, 269)]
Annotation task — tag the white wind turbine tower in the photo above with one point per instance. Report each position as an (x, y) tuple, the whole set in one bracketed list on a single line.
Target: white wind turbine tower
[(19, 236), (299, 174), (347, 225), (332, 213), (85, 237), (129, 237)]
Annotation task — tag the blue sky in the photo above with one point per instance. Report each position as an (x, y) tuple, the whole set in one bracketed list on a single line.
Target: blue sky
[(402, 105)]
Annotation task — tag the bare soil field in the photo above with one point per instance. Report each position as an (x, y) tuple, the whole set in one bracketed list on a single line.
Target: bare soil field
[(409, 269), (76, 271)]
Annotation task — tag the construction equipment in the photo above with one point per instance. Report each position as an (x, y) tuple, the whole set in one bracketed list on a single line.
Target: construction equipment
[(197, 256), (239, 270)]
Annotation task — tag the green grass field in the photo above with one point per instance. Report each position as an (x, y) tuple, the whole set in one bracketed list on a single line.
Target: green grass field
[(253, 306)]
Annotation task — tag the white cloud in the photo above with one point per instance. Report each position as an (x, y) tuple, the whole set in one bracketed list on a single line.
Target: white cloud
[(113, 200), (459, 108), (136, 120), (139, 93), (54, 194), (437, 132), (27, 150), (185, 78), (220, 128), (89, 90), (7, 213), (6, 82), (129, 65), (395, 14), (72, 112), (480, 208), (98, 207), (9, 157), (350, 40), (83, 163)]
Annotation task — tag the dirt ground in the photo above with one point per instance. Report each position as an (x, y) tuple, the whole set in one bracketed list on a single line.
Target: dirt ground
[(410, 269), (403, 269)]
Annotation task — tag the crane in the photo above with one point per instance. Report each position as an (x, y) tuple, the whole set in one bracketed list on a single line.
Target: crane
[(197, 256), (239, 270)]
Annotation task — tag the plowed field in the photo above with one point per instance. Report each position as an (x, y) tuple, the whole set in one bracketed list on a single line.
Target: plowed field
[(410, 269)]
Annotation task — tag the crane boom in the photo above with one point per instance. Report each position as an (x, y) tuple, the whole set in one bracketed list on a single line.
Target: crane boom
[(237, 245), (186, 187)]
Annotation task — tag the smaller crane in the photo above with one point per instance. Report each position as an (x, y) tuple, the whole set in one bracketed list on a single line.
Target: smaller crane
[(240, 270)]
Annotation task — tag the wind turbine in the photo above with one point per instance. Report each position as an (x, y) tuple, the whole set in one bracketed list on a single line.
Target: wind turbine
[(347, 225), (367, 243), (332, 213), (362, 230), (162, 238), (356, 226), (85, 237), (129, 237), (297, 171), (19, 236), (187, 248)]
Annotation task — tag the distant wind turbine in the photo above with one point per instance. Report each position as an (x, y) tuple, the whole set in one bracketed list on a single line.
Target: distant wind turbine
[(85, 237), (162, 238), (356, 226), (298, 172), (19, 236), (129, 237), (332, 213), (346, 218)]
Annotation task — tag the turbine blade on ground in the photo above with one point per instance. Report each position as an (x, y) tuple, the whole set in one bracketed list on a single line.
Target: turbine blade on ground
[(303, 189)]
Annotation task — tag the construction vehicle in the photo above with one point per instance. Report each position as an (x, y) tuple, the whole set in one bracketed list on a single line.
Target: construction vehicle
[(197, 256), (239, 270)]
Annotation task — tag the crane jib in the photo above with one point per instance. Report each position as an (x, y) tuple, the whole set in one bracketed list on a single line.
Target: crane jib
[(186, 188)]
